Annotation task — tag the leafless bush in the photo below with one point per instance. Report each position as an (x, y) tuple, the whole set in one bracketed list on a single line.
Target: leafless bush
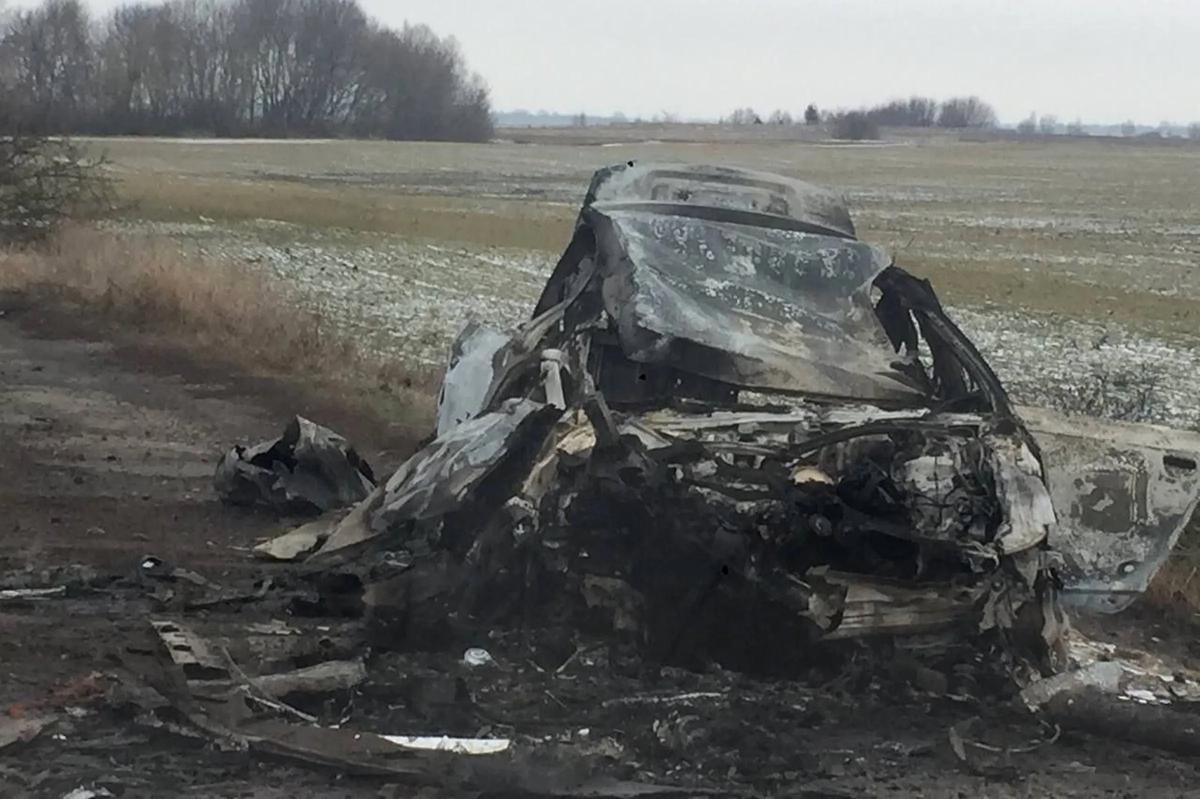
[(744, 116), (966, 112), (44, 182), (854, 126), (915, 112), (1028, 126), (1126, 394)]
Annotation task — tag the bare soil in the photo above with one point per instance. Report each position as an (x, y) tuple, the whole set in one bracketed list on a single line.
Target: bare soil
[(106, 458)]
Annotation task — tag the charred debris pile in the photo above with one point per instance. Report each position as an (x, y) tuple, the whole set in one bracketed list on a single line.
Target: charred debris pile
[(729, 433)]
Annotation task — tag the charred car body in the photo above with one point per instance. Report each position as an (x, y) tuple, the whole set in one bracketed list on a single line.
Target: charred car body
[(731, 430)]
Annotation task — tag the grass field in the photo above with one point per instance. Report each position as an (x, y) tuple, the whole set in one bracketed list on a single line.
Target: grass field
[(1060, 256), (1061, 227)]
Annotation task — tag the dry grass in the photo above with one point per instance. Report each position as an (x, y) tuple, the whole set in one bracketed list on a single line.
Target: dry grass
[(1176, 588), (491, 222), (240, 321)]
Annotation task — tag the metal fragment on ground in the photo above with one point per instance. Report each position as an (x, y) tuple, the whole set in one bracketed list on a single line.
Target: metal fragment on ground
[(308, 469)]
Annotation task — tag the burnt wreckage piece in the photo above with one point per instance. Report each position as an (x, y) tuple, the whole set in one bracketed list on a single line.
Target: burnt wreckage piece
[(729, 429), (309, 469)]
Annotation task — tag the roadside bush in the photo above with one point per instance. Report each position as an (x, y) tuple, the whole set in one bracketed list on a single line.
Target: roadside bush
[(44, 182), (854, 126)]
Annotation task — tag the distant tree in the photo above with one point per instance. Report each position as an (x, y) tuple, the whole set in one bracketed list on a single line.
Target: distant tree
[(745, 116), (1194, 131), (1165, 128), (1029, 125), (48, 56), (580, 120), (922, 111), (618, 118), (780, 117), (812, 115), (854, 126), (1128, 128), (966, 112), (1048, 125), (1076, 128), (666, 117), (915, 112)]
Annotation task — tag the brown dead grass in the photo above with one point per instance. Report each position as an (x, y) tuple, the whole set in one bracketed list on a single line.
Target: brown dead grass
[(487, 221), (221, 314), (1175, 590)]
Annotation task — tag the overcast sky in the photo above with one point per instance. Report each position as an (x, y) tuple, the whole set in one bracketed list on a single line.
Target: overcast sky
[(1100, 60)]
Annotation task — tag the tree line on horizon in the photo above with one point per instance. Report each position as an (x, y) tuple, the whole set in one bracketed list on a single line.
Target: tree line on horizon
[(234, 68), (864, 123)]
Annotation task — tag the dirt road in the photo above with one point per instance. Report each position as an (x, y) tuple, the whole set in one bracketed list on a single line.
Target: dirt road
[(106, 458)]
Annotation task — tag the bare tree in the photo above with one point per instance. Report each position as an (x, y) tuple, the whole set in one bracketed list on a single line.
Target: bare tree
[(780, 117), (1029, 125), (966, 112), (745, 116), (812, 116), (1194, 131), (854, 126), (47, 53), (1076, 128), (915, 112), (1048, 125), (1128, 128), (276, 67)]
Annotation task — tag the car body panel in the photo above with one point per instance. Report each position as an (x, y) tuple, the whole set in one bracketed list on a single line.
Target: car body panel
[(1123, 492)]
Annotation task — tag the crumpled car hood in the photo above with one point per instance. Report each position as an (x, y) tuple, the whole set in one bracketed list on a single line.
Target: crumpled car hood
[(756, 307)]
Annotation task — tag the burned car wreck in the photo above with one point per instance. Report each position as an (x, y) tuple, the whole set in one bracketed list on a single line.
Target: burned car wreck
[(729, 431)]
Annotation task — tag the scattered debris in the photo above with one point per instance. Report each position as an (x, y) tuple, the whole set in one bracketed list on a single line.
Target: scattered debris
[(21, 729), (87, 793), (322, 678), (303, 540), (309, 469), (476, 657), (8, 594), (458, 746), (1104, 676), (1093, 711)]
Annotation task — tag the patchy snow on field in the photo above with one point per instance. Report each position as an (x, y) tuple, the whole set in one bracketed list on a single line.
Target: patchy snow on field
[(408, 299)]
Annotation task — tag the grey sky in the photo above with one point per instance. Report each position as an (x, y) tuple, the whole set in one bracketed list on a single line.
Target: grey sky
[(1100, 60)]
